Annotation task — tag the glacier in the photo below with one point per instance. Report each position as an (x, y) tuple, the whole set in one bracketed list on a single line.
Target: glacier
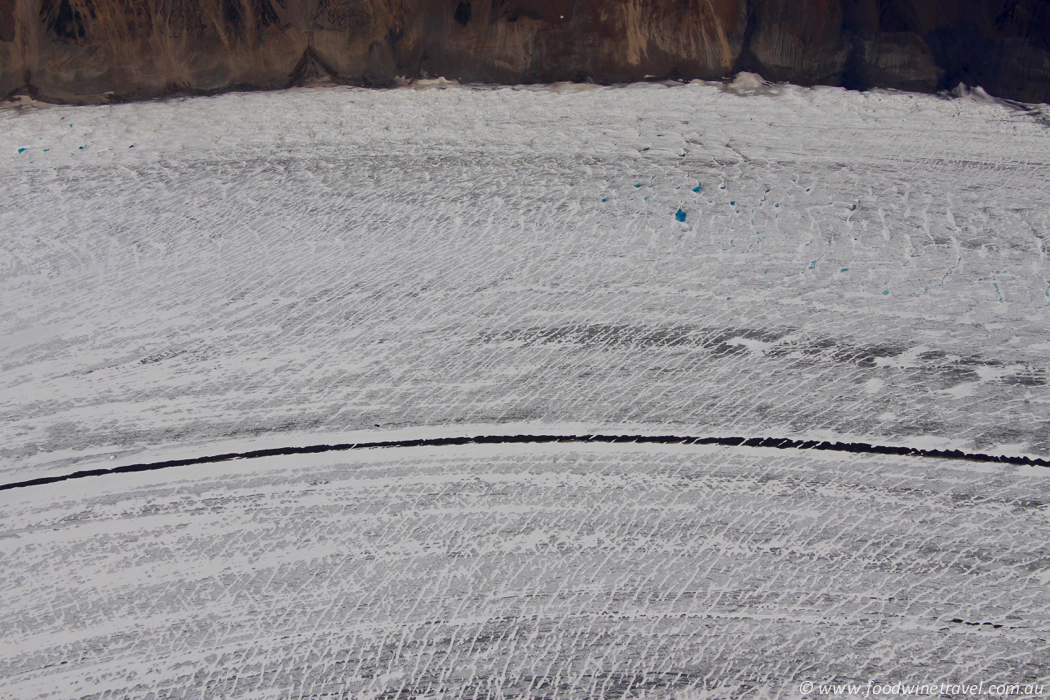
[(261, 270)]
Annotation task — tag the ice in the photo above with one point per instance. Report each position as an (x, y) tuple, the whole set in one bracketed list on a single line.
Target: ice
[(334, 259), (524, 572), (251, 271)]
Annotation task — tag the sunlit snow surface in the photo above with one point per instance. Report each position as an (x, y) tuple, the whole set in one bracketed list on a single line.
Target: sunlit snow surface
[(197, 276)]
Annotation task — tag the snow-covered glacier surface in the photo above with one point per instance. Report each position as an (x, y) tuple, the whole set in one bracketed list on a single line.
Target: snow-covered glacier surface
[(526, 571), (190, 277)]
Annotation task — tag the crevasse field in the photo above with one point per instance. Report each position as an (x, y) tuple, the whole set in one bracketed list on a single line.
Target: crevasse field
[(192, 277)]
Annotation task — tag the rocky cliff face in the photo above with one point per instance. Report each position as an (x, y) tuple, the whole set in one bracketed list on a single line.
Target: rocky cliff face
[(98, 50)]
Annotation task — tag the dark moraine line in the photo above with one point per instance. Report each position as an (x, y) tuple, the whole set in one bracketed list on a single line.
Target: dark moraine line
[(778, 443)]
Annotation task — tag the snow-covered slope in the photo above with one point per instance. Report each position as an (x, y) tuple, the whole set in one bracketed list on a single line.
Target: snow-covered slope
[(183, 272), (554, 571), (197, 276)]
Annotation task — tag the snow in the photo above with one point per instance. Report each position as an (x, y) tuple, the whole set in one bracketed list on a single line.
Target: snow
[(197, 276), (523, 569)]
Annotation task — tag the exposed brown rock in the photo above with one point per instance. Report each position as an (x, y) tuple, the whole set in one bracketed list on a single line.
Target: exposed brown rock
[(12, 67), (898, 60), (513, 41), (690, 38), (97, 50), (798, 40), (1002, 45)]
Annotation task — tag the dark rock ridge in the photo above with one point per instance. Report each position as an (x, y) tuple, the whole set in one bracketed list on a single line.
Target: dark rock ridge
[(85, 51)]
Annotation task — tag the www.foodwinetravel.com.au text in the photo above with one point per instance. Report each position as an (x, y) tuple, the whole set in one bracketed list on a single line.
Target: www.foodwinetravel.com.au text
[(872, 688)]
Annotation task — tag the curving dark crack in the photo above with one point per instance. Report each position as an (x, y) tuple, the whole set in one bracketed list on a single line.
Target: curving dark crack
[(778, 443)]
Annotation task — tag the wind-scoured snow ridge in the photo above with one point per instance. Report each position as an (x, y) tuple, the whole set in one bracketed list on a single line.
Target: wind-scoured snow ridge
[(777, 443)]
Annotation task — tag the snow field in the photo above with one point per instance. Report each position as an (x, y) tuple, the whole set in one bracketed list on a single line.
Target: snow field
[(555, 571), (332, 260), (263, 270)]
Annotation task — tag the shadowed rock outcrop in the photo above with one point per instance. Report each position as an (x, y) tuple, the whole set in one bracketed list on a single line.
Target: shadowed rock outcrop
[(1002, 45), (800, 40), (103, 50)]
